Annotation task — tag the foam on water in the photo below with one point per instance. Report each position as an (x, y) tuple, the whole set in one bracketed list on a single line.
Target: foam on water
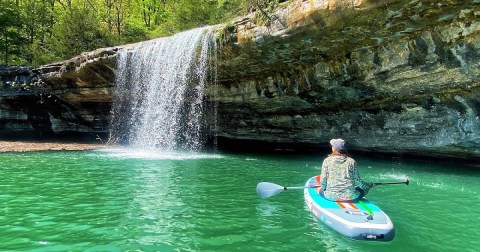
[(131, 153), (394, 176)]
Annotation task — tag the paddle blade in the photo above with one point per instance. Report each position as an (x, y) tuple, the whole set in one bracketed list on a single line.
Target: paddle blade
[(266, 189)]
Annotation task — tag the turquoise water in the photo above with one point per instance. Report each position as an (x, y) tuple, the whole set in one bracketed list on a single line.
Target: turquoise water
[(125, 200)]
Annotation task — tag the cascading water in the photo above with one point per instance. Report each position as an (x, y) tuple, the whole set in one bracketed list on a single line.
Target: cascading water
[(159, 92)]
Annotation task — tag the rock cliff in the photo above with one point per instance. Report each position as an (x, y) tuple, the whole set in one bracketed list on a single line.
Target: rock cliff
[(386, 75), (69, 98)]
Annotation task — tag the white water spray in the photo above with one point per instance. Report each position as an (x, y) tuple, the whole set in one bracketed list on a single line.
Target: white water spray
[(159, 92)]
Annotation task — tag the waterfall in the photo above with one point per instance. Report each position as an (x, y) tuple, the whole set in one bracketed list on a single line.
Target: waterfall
[(159, 92)]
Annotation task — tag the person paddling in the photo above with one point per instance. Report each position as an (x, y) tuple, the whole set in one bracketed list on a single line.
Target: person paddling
[(340, 179)]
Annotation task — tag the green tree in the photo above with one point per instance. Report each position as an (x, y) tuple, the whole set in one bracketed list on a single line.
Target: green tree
[(152, 11), (77, 30), (185, 14), (40, 31), (38, 16), (11, 39), (111, 12)]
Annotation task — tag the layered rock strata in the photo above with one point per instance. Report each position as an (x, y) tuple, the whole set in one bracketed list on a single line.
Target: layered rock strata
[(388, 76)]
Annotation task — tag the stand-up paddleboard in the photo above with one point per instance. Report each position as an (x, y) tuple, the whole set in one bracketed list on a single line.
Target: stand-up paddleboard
[(359, 219)]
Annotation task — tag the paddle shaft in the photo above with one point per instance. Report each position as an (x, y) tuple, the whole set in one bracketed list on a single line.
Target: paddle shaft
[(315, 186), (300, 187), (267, 189), (392, 183)]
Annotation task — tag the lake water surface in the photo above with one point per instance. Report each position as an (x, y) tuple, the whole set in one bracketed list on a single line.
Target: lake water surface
[(128, 200)]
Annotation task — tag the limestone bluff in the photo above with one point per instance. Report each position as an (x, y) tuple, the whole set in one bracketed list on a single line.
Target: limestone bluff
[(388, 76)]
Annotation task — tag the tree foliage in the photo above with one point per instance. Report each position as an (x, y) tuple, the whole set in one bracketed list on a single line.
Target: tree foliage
[(11, 39), (35, 32)]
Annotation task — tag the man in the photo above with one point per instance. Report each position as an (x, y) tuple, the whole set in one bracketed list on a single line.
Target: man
[(340, 179)]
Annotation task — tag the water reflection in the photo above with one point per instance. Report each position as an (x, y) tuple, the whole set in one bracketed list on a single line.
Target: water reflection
[(155, 198)]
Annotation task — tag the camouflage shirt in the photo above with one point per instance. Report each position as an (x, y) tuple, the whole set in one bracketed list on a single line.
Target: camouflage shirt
[(340, 176)]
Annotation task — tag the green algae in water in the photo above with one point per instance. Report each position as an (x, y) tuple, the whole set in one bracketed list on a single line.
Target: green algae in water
[(124, 200)]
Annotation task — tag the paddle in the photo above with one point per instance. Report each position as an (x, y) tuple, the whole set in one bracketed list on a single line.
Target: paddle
[(406, 182), (267, 189)]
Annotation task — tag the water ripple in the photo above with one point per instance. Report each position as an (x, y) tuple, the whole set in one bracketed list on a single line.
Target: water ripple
[(98, 201)]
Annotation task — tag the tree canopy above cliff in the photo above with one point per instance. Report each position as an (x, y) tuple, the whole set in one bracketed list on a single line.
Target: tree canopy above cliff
[(35, 32)]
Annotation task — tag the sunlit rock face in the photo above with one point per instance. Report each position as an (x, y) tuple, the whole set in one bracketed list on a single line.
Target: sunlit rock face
[(388, 76)]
